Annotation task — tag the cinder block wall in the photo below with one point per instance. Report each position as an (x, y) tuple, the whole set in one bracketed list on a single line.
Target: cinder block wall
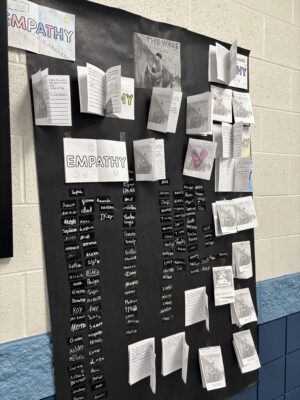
[(271, 30)]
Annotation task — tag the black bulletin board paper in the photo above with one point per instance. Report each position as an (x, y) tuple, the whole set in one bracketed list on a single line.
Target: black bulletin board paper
[(104, 37), (6, 240)]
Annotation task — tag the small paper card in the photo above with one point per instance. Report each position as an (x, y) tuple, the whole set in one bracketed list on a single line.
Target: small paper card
[(199, 158)]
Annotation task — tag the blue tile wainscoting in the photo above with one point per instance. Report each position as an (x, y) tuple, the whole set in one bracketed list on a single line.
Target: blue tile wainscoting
[(26, 371)]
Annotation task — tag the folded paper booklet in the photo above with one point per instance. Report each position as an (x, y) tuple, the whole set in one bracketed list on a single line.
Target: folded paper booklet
[(100, 93), (212, 368), (221, 68), (149, 159), (127, 100), (233, 175), (51, 99), (245, 351), (217, 225), (233, 141), (242, 310), (217, 132), (91, 160), (250, 183), (41, 29), (164, 110), (242, 260), (226, 62), (142, 362), (222, 104), (226, 214), (223, 285), (242, 108), (153, 372), (231, 216), (246, 143), (199, 159), (233, 172), (196, 306), (245, 213), (199, 114), (175, 355)]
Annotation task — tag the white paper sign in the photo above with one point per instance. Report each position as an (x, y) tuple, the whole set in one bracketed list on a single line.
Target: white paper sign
[(40, 29), (91, 160)]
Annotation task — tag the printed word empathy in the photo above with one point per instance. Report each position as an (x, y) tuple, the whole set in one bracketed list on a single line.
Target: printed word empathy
[(38, 28), (92, 161)]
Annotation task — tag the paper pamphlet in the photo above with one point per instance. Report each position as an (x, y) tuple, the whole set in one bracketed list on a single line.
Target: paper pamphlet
[(52, 99)]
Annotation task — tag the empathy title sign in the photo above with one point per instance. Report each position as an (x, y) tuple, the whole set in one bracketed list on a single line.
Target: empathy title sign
[(41, 29)]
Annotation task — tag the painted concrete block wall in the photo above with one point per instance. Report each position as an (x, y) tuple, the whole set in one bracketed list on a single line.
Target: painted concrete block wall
[(271, 29)]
